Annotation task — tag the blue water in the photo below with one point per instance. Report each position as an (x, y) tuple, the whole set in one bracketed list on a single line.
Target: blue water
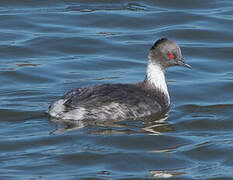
[(50, 47)]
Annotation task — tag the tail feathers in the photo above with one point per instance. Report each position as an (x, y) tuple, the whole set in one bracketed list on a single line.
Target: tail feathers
[(59, 111), (57, 108)]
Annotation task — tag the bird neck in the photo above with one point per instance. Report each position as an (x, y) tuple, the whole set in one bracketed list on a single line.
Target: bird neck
[(155, 78)]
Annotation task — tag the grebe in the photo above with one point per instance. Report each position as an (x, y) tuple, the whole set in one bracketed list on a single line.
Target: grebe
[(124, 101)]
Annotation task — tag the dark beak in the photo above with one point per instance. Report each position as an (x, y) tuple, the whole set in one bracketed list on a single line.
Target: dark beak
[(182, 63)]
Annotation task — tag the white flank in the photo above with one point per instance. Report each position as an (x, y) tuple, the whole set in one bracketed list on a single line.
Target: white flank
[(156, 77), (75, 114)]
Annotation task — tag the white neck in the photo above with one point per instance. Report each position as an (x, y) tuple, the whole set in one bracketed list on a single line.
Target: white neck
[(156, 78)]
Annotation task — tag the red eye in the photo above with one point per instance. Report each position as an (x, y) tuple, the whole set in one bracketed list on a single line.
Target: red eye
[(171, 56)]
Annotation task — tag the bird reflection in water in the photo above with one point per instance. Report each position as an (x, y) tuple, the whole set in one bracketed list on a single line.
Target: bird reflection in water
[(151, 125)]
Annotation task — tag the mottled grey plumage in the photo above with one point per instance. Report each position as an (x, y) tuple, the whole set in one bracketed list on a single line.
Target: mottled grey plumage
[(124, 101)]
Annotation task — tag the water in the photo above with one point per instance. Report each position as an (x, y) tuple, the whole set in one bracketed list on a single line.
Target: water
[(50, 47)]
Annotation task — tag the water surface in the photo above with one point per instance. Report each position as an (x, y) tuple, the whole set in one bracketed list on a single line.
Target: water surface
[(50, 47)]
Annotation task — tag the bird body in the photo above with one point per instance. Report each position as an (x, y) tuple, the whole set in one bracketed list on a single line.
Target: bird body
[(124, 101)]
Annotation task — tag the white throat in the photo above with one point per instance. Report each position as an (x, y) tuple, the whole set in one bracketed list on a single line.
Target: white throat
[(156, 78)]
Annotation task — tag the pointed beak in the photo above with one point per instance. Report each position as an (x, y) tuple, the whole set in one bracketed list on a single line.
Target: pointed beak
[(182, 63)]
